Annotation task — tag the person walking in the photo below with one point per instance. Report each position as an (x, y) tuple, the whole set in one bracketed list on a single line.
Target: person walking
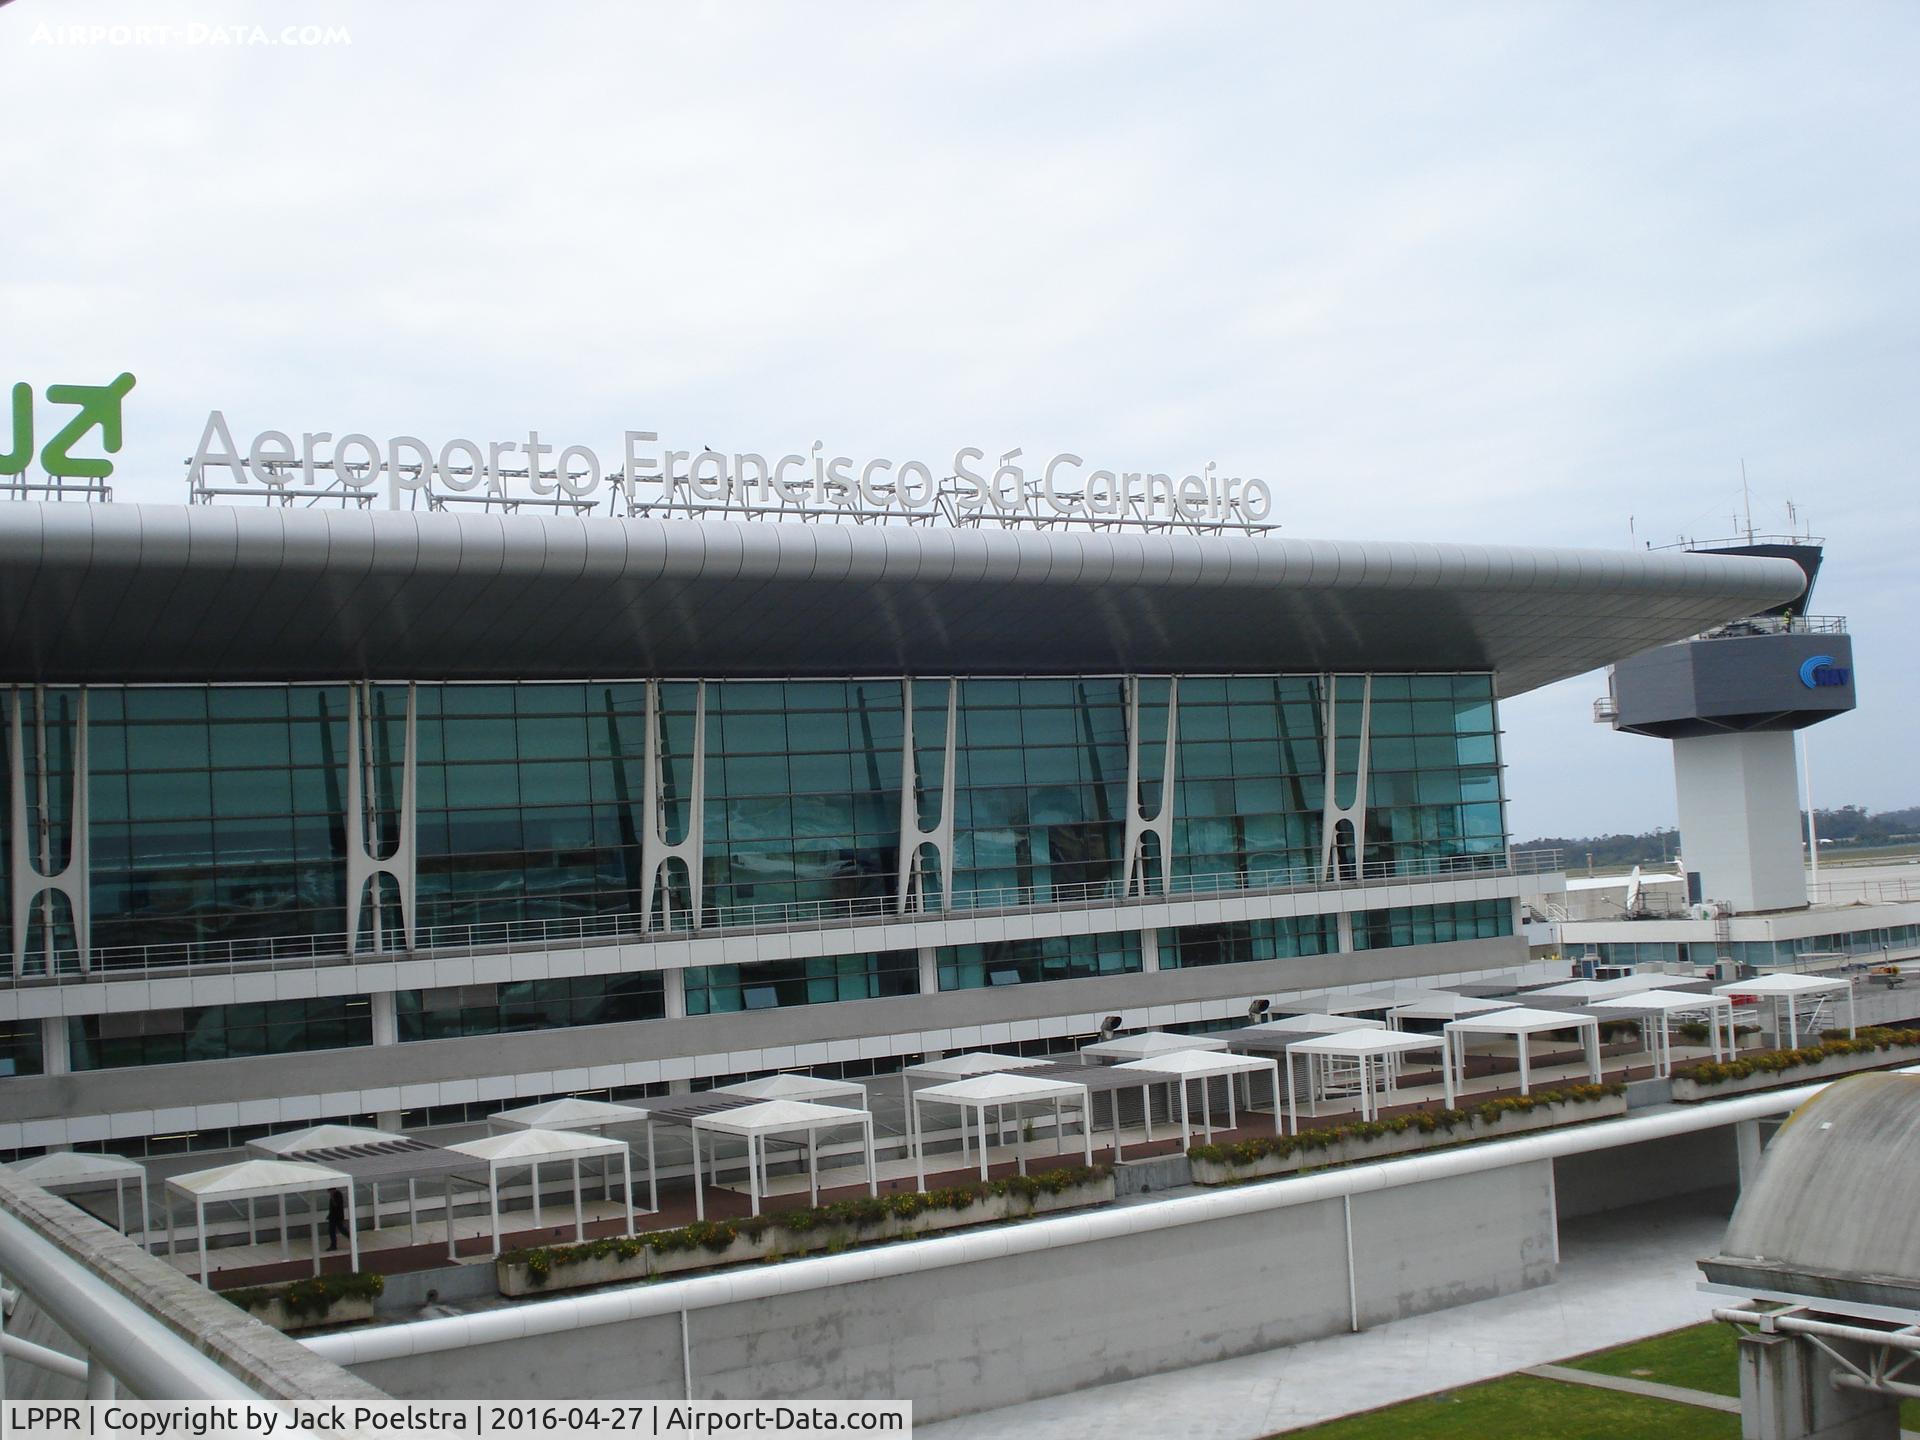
[(336, 1218)]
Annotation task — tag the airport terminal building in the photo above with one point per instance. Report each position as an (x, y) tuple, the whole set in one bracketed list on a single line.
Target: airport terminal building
[(323, 814)]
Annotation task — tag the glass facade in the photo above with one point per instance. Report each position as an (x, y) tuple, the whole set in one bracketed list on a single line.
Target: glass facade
[(218, 1032), (20, 1047), (1237, 942), (1026, 962), (1432, 924), (528, 1005), (219, 825), (819, 979)]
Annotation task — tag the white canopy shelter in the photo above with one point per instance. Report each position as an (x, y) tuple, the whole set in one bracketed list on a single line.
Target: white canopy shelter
[(1521, 1024), (1585, 992), (1373, 1053), (574, 1112), (1663, 1006), (1149, 1042), (1791, 989), (960, 1067), (756, 1124), (251, 1180), (1313, 1022), (529, 1150), (1179, 1066), (320, 1137), (790, 1086), (1443, 1006), (997, 1091), (66, 1171)]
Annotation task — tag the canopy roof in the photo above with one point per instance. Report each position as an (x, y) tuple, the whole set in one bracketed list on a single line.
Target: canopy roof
[(1521, 1021), (1195, 1065), (1151, 1042), (1661, 1001), (789, 1086), (76, 1169), (976, 1062), (526, 1147), (1770, 985), (1446, 1006), (257, 1179), (1314, 1022), (1352, 1044), (1003, 1089), (570, 1112), (123, 593), (321, 1137), (1587, 990), (773, 1117)]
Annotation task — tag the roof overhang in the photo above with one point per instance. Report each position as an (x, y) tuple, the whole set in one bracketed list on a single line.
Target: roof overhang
[(143, 593)]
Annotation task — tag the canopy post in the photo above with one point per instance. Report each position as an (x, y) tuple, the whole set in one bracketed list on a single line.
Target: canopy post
[(200, 1225), (413, 1211), (146, 1215), (753, 1177), (493, 1204), (1853, 1014), (313, 1231), (873, 1166), (653, 1177), (579, 1211), (626, 1176), (533, 1176), (699, 1196), (914, 1142), (120, 1205), (813, 1169), (1186, 1127), (981, 1111), (1086, 1131), (1293, 1113), (446, 1197), (1526, 1044), (353, 1228), (1590, 1032), (1059, 1131), (284, 1252)]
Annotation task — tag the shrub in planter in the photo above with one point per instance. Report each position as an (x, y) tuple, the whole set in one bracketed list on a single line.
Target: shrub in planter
[(310, 1299), (1244, 1153), (862, 1213), (1833, 1043)]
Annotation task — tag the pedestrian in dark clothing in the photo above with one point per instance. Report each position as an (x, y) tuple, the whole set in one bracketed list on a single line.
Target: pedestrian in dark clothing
[(336, 1217)]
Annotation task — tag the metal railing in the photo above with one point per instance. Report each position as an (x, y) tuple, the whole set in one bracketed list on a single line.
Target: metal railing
[(448, 941), (1750, 625)]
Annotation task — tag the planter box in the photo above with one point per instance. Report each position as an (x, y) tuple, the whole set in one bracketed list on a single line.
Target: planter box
[(344, 1311), (515, 1279), (1691, 1092), (1347, 1152)]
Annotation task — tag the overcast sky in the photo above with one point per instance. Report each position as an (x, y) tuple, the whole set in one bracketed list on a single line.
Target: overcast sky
[(1515, 273)]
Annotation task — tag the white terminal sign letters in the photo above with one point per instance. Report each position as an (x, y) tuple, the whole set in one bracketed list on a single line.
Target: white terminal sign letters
[(1063, 487)]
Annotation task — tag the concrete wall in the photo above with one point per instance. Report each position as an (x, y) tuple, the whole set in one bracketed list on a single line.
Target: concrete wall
[(1653, 1170), (996, 1332), (1739, 808)]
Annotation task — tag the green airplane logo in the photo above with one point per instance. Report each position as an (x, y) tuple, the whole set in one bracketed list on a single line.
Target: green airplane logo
[(98, 405)]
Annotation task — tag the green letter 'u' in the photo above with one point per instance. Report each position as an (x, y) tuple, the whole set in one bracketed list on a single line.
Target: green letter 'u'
[(16, 460)]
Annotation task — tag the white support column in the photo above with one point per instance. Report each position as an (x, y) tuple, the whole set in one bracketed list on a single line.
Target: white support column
[(363, 866), (34, 881), (908, 893), (1160, 823), (386, 1020), (1149, 951), (674, 993), (56, 1053), (1343, 930), (929, 959), (654, 849), (1355, 811), (1748, 1149)]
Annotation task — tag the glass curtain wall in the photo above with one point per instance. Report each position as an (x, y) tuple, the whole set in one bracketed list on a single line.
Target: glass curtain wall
[(218, 812)]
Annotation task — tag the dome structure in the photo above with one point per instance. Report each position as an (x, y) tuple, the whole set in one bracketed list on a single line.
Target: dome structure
[(1830, 1215)]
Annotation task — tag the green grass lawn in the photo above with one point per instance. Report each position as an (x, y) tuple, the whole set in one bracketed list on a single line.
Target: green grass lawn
[(1701, 1357), (1521, 1407)]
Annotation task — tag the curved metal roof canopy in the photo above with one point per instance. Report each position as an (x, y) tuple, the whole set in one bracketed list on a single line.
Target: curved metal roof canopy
[(168, 593)]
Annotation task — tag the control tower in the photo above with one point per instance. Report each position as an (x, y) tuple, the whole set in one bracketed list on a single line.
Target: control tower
[(1730, 701)]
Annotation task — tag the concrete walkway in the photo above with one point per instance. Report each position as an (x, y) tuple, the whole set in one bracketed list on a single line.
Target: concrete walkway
[(1623, 1276)]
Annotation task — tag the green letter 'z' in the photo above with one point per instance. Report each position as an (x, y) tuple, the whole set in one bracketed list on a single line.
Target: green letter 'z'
[(99, 405), (16, 460)]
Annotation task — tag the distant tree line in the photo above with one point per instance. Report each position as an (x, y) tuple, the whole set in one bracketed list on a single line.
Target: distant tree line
[(1850, 825)]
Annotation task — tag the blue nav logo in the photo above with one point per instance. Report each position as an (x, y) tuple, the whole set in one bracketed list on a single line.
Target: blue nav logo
[(1819, 670)]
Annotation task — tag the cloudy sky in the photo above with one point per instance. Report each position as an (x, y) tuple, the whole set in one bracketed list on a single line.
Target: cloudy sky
[(1522, 273)]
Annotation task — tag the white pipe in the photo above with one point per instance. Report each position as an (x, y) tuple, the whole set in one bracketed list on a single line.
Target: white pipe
[(611, 1307), (53, 1361), (152, 1361)]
